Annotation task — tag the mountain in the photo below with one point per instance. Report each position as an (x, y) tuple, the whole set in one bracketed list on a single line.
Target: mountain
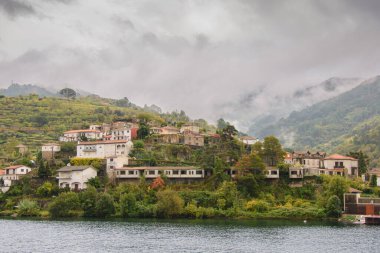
[(15, 90), (20, 90), (265, 105), (348, 122)]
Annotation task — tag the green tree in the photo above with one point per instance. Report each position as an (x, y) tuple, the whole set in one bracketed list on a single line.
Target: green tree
[(228, 191), (169, 204), (44, 170), (128, 205), (373, 182), (143, 131), (363, 161), (272, 151), (45, 190), (95, 182), (337, 186), (252, 164), (88, 199), (249, 185), (105, 205), (221, 124), (334, 207), (66, 204)]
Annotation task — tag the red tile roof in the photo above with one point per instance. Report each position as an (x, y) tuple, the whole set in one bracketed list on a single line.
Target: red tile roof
[(82, 131), (340, 157), (13, 167), (102, 142)]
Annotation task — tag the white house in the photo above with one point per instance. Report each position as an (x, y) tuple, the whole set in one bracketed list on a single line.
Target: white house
[(115, 162), (75, 177), (77, 135), (121, 134), (104, 149), (190, 128), (248, 140), (374, 172), (13, 173), (49, 149), (340, 165)]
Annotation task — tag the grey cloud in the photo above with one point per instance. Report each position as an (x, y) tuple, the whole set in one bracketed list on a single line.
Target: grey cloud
[(240, 60), (15, 8)]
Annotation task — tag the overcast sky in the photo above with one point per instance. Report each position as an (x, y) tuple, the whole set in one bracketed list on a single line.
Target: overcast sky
[(199, 55)]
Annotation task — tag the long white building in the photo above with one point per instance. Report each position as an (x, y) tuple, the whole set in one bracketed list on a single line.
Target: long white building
[(104, 149)]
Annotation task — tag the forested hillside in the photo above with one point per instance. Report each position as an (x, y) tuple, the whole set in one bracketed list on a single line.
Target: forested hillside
[(348, 122)]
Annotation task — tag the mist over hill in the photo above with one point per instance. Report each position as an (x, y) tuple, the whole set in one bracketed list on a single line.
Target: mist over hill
[(348, 122)]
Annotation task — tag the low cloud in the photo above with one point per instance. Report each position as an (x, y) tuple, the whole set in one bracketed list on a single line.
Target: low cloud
[(15, 8), (233, 59)]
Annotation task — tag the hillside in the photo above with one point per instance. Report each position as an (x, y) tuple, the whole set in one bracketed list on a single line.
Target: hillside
[(32, 120), (21, 90), (348, 122)]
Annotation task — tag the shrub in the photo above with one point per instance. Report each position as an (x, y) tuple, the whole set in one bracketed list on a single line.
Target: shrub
[(169, 203), (27, 207), (128, 205), (45, 190), (373, 182), (333, 207), (105, 206), (88, 201), (258, 205), (66, 204)]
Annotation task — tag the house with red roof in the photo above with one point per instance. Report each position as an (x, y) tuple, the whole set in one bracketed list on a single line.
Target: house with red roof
[(77, 135), (340, 165), (13, 173)]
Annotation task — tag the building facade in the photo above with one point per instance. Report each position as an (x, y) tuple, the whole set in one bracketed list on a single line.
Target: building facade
[(104, 149), (75, 177)]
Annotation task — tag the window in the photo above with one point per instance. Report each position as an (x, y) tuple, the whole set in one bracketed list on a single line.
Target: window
[(293, 172), (122, 172), (111, 167), (111, 160), (175, 172), (183, 172), (22, 170), (151, 172), (273, 172), (131, 172), (198, 172)]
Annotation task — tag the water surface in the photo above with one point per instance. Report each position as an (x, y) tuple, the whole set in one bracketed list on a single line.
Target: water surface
[(186, 236)]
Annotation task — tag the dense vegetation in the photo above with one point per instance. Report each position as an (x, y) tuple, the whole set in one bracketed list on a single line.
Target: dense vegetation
[(348, 122)]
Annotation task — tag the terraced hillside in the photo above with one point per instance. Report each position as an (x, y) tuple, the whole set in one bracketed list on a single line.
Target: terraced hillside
[(32, 120)]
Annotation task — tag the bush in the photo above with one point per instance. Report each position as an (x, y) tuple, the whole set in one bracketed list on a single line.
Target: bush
[(333, 207), (258, 205), (67, 204), (105, 206), (169, 204), (88, 201), (128, 205), (27, 207), (45, 190)]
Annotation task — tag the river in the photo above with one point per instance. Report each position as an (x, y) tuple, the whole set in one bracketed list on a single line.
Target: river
[(186, 236)]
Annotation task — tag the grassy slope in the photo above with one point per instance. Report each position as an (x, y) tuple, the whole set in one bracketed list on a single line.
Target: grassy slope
[(33, 121)]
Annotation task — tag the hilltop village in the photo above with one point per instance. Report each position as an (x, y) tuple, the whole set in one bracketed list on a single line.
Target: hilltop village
[(175, 163)]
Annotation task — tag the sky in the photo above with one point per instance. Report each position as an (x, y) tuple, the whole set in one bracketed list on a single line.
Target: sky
[(211, 58)]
